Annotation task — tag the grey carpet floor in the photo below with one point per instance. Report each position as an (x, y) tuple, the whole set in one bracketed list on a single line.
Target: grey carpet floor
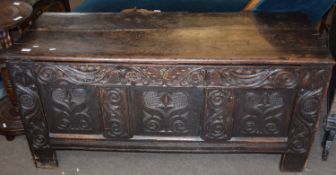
[(15, 159)]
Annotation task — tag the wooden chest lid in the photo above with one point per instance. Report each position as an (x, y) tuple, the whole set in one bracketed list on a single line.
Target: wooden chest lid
[(206, 38)]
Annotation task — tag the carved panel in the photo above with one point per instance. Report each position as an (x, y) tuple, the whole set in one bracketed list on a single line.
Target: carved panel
[(218, 114), (71, 109), (31, 110), (167, 111), (262, 112), (177, 76), (307, 111), (115, 112)]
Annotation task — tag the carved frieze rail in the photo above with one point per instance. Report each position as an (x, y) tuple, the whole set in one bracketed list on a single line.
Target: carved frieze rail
[(177, 76)]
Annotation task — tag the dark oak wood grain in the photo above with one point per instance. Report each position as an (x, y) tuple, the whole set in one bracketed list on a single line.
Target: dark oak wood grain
[(179, 38)]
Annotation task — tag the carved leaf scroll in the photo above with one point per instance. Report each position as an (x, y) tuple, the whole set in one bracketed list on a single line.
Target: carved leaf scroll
[(218, 115), (254, 77), (115, 112)]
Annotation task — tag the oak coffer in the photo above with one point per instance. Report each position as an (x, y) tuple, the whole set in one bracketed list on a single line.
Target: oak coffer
[(171, 82)]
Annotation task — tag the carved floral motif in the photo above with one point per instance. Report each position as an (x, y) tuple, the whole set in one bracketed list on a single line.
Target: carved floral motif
[(166, 112), (262, 113), (69, 108)]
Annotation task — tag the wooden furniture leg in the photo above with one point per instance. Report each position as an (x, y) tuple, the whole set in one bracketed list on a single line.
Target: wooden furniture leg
[(330, 131), (328, 139), (302, 129), (10, 122), (34, 119)]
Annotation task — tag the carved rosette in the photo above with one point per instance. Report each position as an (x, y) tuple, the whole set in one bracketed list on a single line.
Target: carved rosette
[(115, 113), (307, 111), (218, 115), (30, 106)]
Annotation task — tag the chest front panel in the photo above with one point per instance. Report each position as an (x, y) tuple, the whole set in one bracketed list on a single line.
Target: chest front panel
[(210, 103)]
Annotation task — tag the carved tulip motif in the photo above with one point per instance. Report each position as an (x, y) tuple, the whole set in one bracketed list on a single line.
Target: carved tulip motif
[(70, 108)]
